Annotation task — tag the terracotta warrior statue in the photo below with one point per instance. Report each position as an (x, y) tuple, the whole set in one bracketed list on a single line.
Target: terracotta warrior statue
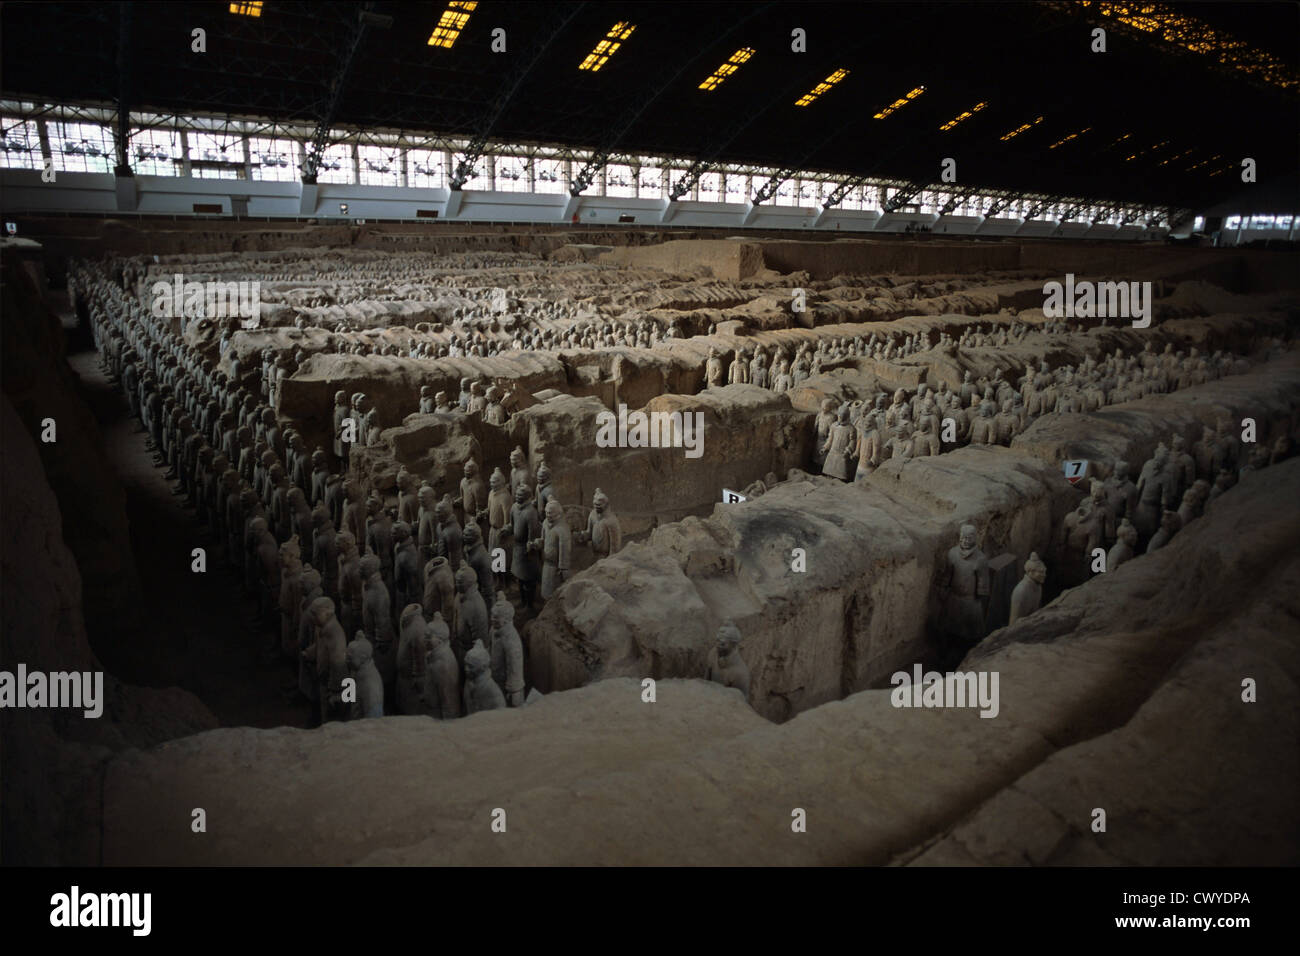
[(478, 560), (1027, 596), (1097, 527), (472, 625), (328, 655), (1153, 493), (1125, 546), (342, 409), (525, 529), (499, 502), (604, 533), (473, 493), (408, 582), (290, 596), (354, 511), (519, 471), (713, 368), (966, 581), (824, 422), (839, 446), (442, 695), (426, 526), (556, 545), (481, 692), (370, 687), (379, 537), (448, 543), (1121, 493), (507, 652), (411, 661), (408, 505), (544, 488), (350, 582), (440, 592), (377, 618)]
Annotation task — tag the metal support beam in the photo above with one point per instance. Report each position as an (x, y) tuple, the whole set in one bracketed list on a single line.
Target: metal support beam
[(999, 203), (586, 176), (1071, 211), (904, 196), (837, 194), (1037, 207), (769, 188), (474, 149), (319, 141), (122, 121), (955, 200), (688, 181)]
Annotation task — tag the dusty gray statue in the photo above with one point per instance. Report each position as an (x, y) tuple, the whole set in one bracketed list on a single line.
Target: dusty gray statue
[(604, 533), (311, 590), (1125, 547), (341, 411), (426, 525), (520, 474), (966, 581), (838, 448), (328, 655), (369, 686), (408, 505), (411, 654), (1153, 493), (472, 614), (448, 542), (507, 652), (407, 581), (500, 498), (481, 692), (1027, 596), (525, 528), (440, 590), (726, 666), (473, 493), (442, 674), (377, 619), (556, 547), (544, 489)]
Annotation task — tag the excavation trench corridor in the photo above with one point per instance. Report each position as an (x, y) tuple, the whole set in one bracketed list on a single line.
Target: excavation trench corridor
[(199, 630)]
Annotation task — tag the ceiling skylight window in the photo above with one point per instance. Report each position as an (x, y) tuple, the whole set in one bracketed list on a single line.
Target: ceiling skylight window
[(607, 47), (821, 87), (451, 22), (900, 102), (714, 80)]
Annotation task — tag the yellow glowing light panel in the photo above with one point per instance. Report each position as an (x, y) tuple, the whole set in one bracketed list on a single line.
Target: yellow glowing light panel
[(963, 117), (251, 9), (451, 22), (715, 79), (900, 102), (1066, 139), (1020, 129), (1149, 149), (608, 46), (821, 87)]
